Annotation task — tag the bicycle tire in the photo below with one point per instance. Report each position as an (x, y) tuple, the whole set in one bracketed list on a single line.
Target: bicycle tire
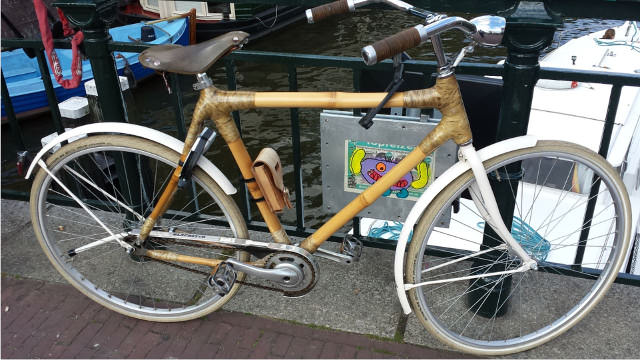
[(138, 287), (520, 310)]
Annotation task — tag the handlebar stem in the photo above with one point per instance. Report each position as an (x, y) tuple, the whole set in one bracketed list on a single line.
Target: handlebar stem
[(441, 57), (429, 30)]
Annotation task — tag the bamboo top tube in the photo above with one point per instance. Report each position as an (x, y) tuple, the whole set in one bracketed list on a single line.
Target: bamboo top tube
[(328, 100)]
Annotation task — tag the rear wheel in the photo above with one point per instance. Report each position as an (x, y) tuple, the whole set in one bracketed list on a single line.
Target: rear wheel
[(466, 304), (119, 179)]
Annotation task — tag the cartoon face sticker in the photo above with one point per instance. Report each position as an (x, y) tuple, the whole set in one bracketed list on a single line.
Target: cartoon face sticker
[(373, 169)]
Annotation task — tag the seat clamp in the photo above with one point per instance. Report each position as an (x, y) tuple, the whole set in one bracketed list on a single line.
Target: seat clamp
[(204, 81)]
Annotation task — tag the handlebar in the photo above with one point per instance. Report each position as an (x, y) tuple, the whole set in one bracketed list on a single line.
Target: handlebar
[(485, 30), (412, 37)]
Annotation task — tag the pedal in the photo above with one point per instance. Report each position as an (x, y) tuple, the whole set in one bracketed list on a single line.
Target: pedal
[(223, 279), (351, 246)]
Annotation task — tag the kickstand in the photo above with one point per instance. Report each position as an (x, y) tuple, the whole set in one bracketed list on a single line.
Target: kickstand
[(398, 72)]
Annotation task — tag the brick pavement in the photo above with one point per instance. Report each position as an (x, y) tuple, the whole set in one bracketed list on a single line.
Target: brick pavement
[(47, 320)]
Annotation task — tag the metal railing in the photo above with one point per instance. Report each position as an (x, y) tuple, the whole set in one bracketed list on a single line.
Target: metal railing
[(292, 63)]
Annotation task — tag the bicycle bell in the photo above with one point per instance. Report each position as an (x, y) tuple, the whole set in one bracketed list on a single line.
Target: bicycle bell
[(490, 29)]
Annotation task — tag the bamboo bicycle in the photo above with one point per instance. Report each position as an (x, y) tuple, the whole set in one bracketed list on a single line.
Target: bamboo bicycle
[(143, 223)]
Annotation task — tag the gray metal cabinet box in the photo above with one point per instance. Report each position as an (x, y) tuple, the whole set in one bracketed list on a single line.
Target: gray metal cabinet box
[(353, 158)]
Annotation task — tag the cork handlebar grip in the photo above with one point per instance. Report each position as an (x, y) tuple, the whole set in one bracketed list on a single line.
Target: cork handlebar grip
[(388, 47), (322, 12)]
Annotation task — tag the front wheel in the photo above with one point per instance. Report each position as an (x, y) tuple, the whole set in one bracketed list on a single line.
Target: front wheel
[(552, 188), (119, 179)]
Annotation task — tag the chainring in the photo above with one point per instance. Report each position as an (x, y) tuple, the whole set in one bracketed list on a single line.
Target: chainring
[(308, 267)]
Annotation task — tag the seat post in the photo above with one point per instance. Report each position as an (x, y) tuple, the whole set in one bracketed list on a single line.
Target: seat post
[(203, 81)]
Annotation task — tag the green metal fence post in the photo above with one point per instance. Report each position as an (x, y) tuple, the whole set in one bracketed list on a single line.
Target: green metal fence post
[(93, 18), (297, 152), (16, 133), (230, 67), (530, 29)]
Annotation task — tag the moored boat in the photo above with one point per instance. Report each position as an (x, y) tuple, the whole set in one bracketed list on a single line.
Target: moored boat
[(576, 111), (27, 89), (214, 19)]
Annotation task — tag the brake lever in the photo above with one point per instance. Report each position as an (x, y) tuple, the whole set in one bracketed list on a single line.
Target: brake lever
[(398, 73), (464, 51)]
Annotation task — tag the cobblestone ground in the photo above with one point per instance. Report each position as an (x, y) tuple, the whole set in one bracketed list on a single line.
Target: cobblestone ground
[(47, 320)]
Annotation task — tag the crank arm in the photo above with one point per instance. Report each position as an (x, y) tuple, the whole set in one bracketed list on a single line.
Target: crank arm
[(286, 274), (333, 256)]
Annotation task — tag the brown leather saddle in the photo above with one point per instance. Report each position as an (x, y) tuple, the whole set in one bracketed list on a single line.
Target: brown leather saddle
[(192, 59)]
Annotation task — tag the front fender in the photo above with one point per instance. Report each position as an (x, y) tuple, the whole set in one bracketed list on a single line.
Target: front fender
[(137, 131), (438, 185)]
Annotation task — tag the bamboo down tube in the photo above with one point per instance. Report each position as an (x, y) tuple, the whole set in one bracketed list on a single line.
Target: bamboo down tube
[(363, 200)]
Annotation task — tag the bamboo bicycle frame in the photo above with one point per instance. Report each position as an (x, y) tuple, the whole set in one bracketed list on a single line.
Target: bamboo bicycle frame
[(218, 104)]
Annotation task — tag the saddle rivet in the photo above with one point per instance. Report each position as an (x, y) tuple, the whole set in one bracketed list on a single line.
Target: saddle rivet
[(235, 38), (156, 63)]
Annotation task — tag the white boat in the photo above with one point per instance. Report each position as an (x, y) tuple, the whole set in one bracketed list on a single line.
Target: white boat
[(576, 111)]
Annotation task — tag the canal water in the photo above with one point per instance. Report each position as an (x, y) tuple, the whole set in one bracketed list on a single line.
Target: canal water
[(340, 36)]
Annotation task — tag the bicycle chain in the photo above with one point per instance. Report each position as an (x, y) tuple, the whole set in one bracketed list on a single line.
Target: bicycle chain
[(182, 243)]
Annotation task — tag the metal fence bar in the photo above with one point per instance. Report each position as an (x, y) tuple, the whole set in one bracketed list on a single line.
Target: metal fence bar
[(612, 109), (16, 134), (178, 106), (51, 95), (609, 121), (430, 66), (36, 44), (230, 66), (590, 76), (357, 76), (297, 151)]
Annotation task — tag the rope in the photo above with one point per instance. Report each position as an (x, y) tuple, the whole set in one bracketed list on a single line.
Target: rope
[(392, 230), (274, 20), (386, 229), (630, 44), (532, 242)]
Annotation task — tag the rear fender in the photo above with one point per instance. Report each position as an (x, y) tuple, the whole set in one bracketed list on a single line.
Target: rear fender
[(137, 131)]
